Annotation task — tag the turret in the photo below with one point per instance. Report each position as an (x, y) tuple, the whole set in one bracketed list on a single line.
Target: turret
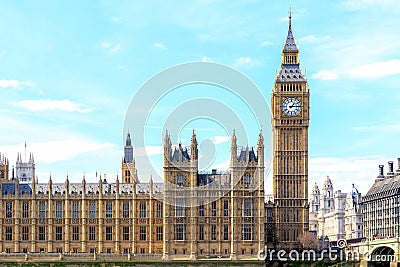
[(315, 198), (167, 148), (193, 148), (233, 149), (129, 172), (328, 194), (260, 149)]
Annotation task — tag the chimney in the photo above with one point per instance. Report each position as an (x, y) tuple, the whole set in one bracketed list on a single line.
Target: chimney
[(214, 171), (390, 168), (380, 176)]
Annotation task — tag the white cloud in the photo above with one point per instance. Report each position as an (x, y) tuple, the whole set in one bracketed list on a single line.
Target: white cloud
[(115, 19), (220, 139), (265, 43), (110, 47), (105, 45), (376, 69), (246, 62), (204, 37), (325, 75), (49, 152), (380, 128), (160, 46), (149, 151), (116, 48), (15, 83), (206, 59), (345, 171), (51, 105)]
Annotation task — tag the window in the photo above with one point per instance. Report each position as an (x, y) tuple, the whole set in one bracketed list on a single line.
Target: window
[(58, 250), (92, 233), (9, 233), (180, 209), (159, 233), (248, 208), (75, 209), (214, 208), (246, 181), (226, 207), (142, 250), (75, 250), (383, 187), (201, 209), (75, 233), (59, 233), (9, 210), (42, 232), (25, 233), (159, 210), (142, 233), (269, 216), (213, 232), (201, 232), (126, 250), (142, 213), (180, 180), (59, 209), (92, 210), (108, 209), (125, 210), (25, 209), (108, 232), (393, 184), (179, 232), (108, 250), (226, 232), (247, 232), (125, 233), (42, 209)]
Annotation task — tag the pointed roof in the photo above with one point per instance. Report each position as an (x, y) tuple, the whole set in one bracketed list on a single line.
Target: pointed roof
[(128, 140), (290, 44)]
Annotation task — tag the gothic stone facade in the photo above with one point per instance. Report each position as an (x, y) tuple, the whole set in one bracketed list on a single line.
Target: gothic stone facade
[(190, 215), (290, 120)]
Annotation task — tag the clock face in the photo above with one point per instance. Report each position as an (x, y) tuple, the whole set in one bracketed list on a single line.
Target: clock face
[(291, 106)]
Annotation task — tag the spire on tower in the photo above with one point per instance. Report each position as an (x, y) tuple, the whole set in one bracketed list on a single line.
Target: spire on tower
[(128, 140), (128, 149), (290, 44)]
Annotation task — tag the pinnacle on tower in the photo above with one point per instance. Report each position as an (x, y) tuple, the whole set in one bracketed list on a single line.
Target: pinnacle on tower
[(290, 44), (128, 141)]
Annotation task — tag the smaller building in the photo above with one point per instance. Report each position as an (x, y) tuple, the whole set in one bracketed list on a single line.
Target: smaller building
[(335, 215), (381, 205)]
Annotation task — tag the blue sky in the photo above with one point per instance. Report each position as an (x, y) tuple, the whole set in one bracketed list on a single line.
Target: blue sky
[(70, 69)]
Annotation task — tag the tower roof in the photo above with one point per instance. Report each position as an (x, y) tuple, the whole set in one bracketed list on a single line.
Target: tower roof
[(128, 140), (290, 68), (290, 44)]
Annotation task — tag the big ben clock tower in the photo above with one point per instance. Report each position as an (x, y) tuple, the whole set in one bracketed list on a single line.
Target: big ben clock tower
[(290, 119)]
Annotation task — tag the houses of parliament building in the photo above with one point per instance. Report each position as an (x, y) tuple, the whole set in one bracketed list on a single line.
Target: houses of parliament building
[(191, 214)]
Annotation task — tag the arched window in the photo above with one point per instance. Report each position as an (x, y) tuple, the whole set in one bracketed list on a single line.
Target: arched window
[(180, 180)]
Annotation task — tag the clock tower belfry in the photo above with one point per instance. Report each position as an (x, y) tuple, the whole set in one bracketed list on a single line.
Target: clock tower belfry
[(290, 119)]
